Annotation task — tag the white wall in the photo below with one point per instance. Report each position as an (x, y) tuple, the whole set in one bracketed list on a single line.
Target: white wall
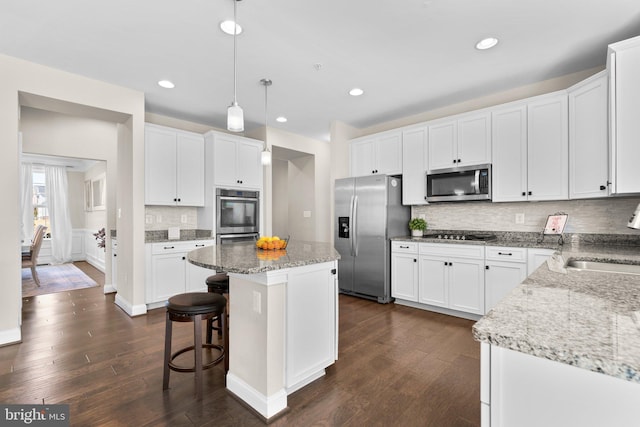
[(301, 173), (97, 219), (34, 85), (76, 199), (280, 211)]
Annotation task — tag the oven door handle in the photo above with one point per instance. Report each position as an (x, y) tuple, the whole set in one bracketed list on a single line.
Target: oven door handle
[(476, 182), (242, 199)]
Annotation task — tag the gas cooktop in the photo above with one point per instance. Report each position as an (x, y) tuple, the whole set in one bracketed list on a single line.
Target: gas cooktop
[(475, 236)]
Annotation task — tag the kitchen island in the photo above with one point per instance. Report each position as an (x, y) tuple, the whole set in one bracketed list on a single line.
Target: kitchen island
[(283, 311), (563, 348)]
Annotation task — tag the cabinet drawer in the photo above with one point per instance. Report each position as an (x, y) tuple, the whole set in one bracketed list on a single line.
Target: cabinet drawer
[(502, 253), (179, 246), (461, 250), (404, 247)]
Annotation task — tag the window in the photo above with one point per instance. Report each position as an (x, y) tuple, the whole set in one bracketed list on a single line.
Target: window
[(40, 208)]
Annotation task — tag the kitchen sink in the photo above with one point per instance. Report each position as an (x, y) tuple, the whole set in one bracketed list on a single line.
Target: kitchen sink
[(602, 266)]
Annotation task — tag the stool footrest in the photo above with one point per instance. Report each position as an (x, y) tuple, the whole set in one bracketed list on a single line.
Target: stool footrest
[(211, 364)]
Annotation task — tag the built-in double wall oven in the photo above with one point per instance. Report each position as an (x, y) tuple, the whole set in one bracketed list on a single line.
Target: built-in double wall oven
[(237, 215)]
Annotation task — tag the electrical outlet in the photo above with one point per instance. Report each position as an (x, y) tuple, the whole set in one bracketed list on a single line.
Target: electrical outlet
[(519, 218), (148, 219), (158, 219), (306, 214), (183, 219)]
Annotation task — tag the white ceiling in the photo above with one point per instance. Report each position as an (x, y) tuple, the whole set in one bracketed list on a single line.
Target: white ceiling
[(409, 56)]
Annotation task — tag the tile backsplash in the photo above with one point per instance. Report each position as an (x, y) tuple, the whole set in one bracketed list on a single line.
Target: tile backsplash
[(607, 216), (163, 217)]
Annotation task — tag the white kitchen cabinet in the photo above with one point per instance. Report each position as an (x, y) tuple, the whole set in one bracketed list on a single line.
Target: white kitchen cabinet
[(548, 147), (452, 276), (414, 166), (589, 138), (404, 270), (531, 149), (460, 141), (519, 389), (236, 161), (376, 154), (174, 167), (168, 272), (536, 257), (505, 268), (623, 65)]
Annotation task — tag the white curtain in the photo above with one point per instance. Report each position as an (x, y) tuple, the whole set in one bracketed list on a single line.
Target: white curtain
[(59, 214), (26, 204)]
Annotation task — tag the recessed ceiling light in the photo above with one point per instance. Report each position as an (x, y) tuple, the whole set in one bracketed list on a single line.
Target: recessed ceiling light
[(166, 84), (281, 119), (227, 27), (356, 91), (487, 43)]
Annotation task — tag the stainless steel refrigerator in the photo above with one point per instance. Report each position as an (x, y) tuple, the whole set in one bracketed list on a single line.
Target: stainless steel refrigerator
[(368, 211)]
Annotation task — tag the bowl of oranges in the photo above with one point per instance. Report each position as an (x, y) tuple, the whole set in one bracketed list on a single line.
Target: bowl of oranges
[(271, 243)]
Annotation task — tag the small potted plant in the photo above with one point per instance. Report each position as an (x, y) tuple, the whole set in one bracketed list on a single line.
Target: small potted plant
[(417, 227)]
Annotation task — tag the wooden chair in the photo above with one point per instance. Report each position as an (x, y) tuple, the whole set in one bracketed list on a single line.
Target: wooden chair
[(30, 259)]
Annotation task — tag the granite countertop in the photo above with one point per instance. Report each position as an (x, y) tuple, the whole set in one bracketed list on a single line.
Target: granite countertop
[(245, 258), (582, 318), (160, 236)]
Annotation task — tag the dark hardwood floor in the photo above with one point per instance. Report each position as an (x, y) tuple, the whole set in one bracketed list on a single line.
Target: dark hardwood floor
[(397, 366)]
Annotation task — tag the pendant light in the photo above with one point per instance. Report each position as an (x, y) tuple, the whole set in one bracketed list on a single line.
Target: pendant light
[(235, 116), (266, 154)]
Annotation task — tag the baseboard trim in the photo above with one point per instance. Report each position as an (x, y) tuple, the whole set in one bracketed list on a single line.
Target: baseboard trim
[(131, 310), (10, 336), (266, 406), (109, 289)]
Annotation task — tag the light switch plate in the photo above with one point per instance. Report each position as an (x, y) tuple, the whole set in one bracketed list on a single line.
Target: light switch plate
[(306, 214), (519, 218)]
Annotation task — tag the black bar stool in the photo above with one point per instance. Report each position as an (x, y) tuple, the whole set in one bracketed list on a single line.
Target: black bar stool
[(195, 307), (218, 284)]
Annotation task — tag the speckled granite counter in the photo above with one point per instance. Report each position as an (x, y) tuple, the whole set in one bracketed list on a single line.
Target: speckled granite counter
[(582, 318), (159, 236), (244, 257)]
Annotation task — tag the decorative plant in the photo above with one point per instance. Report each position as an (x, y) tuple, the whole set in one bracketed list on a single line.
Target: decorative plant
[(417, 224), (100, 237)]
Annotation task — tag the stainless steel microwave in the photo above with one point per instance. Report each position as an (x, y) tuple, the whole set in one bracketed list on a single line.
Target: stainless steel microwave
[(459, 184)]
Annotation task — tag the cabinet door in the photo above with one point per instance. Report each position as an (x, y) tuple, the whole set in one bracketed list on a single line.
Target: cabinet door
[(249, 166), (224, 160), (414, 167), (389, 155), (625, 110), (433, 274), (404, 276), (167, 275), (548, 148), (500, 278), (442, 145), (159, 166), (190, 170), (588, 139), (466, 285), (196, 278), (536, 257), (474, 139), (362, 157), (509, 139)]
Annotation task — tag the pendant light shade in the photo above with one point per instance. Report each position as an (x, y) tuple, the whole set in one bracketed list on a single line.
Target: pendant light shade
[(235, 118), (235, 115), (266, 154)]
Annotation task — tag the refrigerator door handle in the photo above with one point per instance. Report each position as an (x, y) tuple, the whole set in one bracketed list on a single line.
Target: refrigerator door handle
[(354, 227)]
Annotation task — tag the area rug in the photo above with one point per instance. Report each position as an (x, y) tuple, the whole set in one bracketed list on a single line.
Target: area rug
[(55, 278)]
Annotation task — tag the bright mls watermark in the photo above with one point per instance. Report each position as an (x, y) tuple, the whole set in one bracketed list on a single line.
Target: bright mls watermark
[(34, 415)]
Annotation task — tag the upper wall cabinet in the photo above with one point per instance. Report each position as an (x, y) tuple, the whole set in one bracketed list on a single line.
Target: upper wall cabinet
[(414, 166), (623, 64), (531, 149), (461, 141), (376, 154), (589, 138), (236, 161), (174, 167)]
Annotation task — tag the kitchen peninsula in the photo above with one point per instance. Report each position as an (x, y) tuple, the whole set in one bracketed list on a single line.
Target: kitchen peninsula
[(283, 308), (563, 348)]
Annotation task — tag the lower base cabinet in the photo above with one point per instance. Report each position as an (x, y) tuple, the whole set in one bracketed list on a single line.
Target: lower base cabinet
[(170, 273), (459, 279)]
